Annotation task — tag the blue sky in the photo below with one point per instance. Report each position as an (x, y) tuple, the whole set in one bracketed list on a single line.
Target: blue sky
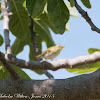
[(76, 41)]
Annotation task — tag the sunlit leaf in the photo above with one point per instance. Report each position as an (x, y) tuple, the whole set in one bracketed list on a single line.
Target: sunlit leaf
[(92, 50), (24, 3), (84, 68)]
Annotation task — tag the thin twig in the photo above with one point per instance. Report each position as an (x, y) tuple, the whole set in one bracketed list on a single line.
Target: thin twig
[(86, 17), (35, 49)]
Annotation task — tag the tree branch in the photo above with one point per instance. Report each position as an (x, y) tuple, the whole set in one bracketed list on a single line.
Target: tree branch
[(8, 67), (82, 87), (55, 65), (86, 17), (6, 13), (35, 49)]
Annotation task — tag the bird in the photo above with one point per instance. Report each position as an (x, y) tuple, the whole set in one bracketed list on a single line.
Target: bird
[(51, 52)]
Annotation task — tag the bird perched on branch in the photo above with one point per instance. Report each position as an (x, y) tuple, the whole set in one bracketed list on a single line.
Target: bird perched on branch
[(51, 52)]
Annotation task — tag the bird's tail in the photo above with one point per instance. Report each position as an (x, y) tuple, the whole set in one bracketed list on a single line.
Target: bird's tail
[(39, 56)]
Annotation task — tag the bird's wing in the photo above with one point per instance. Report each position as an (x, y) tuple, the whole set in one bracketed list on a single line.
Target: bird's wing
[(46, 52)]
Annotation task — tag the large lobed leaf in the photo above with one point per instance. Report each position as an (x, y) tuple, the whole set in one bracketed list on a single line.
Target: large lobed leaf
[(44, 16), (35, 7), (42, 30), (58, 14), (19, 21), (18, 44)]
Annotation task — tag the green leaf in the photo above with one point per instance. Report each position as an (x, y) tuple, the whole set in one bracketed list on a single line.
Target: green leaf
[(42, 30), (20, 72), (72, 10), (24, 3), (86, 3), (84, 68), (35, 7), (44, 17), (92, 50), (18, 45), (72, 3), (4, 72), (1, 40), (58, 14), (19, 21)]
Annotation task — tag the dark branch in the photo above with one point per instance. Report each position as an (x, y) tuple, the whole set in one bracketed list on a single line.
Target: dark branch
[(35, 49), (48, 74), (86, 17), (33, 36)]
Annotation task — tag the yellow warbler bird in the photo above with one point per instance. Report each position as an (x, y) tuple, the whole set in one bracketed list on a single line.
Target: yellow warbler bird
[(51, 52)]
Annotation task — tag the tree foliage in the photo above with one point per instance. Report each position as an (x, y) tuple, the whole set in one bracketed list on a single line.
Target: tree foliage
[(47, 15)]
